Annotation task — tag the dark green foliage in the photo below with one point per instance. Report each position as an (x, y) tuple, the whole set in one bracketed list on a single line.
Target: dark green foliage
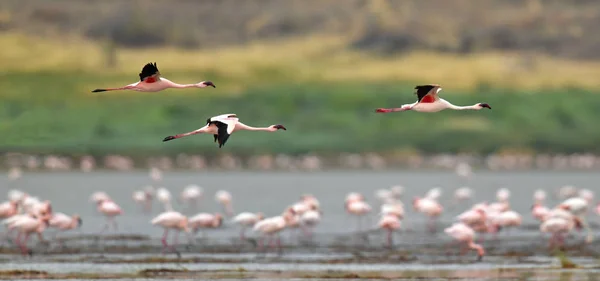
[(46, 112)]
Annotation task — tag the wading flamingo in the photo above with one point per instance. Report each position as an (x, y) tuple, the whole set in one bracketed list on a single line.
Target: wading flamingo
[(26, 226), (223, 197), (273, 226), (465, 235), (172, 220), (246, 220), (222, 126), (150, 81), (390, 222), (428, 101)]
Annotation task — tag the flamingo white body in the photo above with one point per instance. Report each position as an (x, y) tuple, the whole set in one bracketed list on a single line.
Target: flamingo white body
[(26, 225), (151, 81), (502, 195), (311, 200), (397, 191), (462, 194), (99, 196), (428, 101), (163, 195), (587, 194), (507, 219), (465, 235), (434, 193), (110, 210), (245, 220), (205, 220), (539, 212), (191, 195), (431, 208), (8, 209), (64, 222), (578, 207), (171, 220), (15, 195), (474, 216), (224, 198), (222, 126), (539, 196), (383, 194), (273, 226), (396, 209), (389, 222)]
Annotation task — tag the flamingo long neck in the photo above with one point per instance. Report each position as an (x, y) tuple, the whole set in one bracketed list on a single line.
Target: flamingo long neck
[(458, 107), (181, 86), (250, 128)]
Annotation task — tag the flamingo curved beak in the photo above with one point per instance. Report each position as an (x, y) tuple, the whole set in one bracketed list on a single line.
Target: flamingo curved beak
[(485, 105), (280, 127), (209, 83)]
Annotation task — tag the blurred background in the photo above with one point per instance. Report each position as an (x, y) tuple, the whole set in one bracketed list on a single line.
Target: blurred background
[(320, 67)]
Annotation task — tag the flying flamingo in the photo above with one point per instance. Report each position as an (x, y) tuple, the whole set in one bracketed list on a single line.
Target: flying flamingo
[(150, 81), (222, 126), (246, 220), (428, 101), (465, 235), (172, 220)]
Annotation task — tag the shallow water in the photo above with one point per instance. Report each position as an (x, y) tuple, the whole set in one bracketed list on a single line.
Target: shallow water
[(522, 249)]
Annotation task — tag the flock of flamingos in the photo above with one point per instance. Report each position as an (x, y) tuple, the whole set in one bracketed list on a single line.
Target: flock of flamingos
[(24, 215)]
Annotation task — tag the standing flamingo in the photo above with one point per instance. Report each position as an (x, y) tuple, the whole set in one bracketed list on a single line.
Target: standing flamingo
[(390, 222), (222, 126), (26, 226), (205, 220), (429, 207), (579, 208), (191, 195), (428, 101), (246, 220), (164, 196), (109, 209), (172, 220), (273, 226), (465, 235), (223, 197), (151, 81)]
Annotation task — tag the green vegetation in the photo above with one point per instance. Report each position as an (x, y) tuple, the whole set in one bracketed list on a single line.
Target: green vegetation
[(55, 112)]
